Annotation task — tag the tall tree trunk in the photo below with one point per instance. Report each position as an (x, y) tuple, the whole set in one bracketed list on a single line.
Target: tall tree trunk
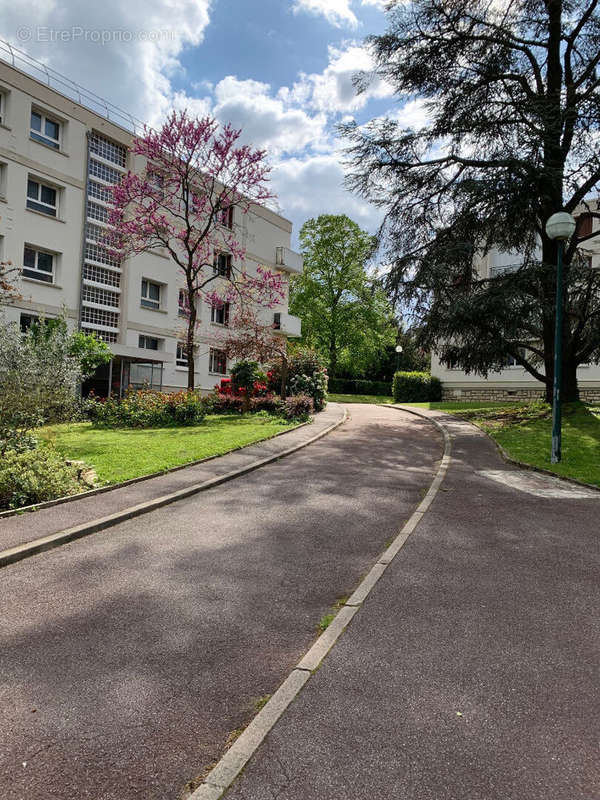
[(191, 328), (332, 358), (570, 388)]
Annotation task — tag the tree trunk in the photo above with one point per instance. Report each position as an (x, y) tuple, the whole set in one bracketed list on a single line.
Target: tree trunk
[(332, 358), (284, 377), (189, 344), (570, 389)]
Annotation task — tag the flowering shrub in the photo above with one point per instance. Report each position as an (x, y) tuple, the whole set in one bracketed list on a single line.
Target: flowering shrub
[(306, 375), (242, 391), (148, 409), (298, 407), (315, 386)]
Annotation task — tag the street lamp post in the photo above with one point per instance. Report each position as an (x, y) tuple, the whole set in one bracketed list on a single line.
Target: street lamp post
[(398, 351), (560, 226)]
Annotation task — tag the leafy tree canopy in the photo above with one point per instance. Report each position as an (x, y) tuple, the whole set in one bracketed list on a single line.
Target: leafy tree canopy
[(345, 313), (511, 95)]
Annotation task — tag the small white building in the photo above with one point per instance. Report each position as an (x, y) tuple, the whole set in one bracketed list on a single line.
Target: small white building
[(513, 382), (58, 155)]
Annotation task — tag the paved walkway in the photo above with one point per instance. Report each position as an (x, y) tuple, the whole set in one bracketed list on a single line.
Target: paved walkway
[(471, 671), (128, 657), (26, 527)]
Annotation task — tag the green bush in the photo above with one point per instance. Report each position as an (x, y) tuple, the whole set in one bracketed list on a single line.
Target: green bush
[(416, 387), (298, 407), (149, 409), (34, 476), (353, 386), (306, 375)]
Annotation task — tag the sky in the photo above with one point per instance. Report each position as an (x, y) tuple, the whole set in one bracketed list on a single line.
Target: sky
[(279, 69)]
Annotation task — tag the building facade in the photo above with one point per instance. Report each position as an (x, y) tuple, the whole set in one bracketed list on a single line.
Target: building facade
[(513, 382), (58, 158)]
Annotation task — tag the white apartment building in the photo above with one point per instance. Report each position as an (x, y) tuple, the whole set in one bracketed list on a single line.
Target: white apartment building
[(60, 149), (513, 382)]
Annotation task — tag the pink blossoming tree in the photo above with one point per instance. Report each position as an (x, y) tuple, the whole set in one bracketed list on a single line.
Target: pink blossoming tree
[(181, 204), (249, 337)]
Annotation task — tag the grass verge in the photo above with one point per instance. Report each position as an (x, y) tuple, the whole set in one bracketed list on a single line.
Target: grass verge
[(525, 432), (119, 454)]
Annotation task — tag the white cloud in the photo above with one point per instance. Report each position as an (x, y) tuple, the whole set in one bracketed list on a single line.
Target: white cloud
[(128, 52), (413, 114), (267, 121), (333, 89), (307, 187), (337, 12)]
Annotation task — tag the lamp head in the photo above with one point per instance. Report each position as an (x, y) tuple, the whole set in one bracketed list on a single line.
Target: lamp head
[(561, 226), (398, 348)]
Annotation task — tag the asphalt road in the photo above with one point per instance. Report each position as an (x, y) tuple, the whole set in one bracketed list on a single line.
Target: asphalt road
[(127, 658), (472, 670)]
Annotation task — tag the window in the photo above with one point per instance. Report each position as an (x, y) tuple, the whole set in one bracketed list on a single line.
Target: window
[(98, 316), (182, 303), (2, 108), (99, 192), (94, 233), (217, 361), (103, 172), (181, 359), (150, 294), (38, 264), (91, 272), (228, 217), (222, 264), (99, 213), (3, 170), (95, 252), (100, 297), (26, 321), (108, 150), (220, 314), (584, 224), (45, 130), (41, 197), (145, 375), (148, 342)]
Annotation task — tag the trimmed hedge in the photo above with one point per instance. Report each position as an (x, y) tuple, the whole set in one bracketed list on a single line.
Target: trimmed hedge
[(416, 387), (351, 386)]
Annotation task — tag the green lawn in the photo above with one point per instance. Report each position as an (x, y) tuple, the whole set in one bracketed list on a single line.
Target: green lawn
[(124, 453), (525, 432), (530, 441), (470, 405), (360, 398)]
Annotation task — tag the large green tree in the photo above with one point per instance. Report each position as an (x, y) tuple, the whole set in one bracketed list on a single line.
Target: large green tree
[(511, 91), (345, 313)]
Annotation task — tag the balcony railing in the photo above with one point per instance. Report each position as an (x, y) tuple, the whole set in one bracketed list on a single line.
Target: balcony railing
[(288, 260)]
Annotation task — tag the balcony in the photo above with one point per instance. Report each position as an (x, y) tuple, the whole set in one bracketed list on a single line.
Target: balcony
[(287, 324), (288, 260)]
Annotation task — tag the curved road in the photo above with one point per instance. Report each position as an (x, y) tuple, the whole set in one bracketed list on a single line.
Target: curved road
[(129, 657)]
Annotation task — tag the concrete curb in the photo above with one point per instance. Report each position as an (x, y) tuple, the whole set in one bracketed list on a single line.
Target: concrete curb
[(509, 459), (232, 763), (109, 488), (19, 552)]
